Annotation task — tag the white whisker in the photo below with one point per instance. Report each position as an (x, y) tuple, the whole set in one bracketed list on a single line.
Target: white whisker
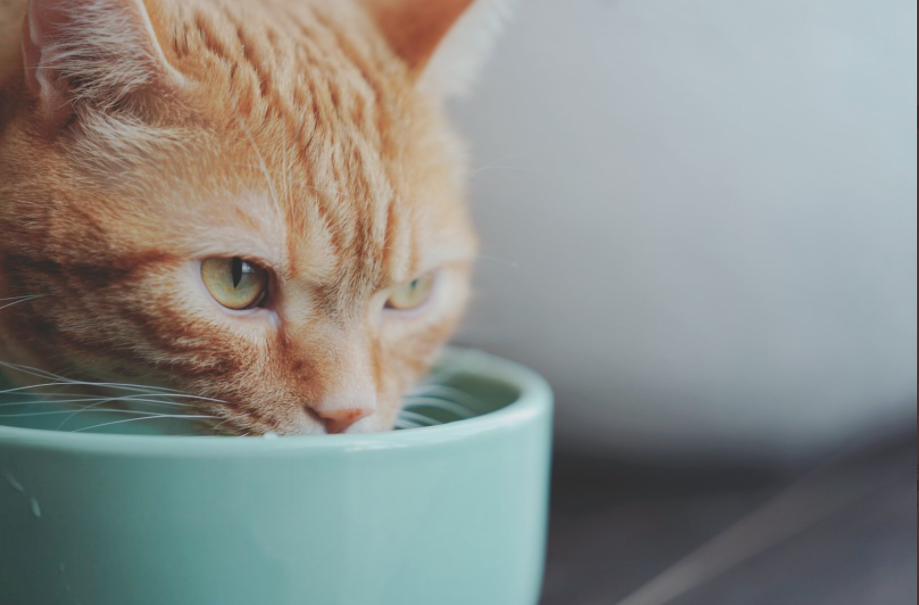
[(85, 400), (500, 261), (447, 406), (92, 411), (39, 373), (232, 418), (416, 418), (108, 385), (154, 417), (125, 398), (447, 393), (405, 424), (20, 300), (63, 381)]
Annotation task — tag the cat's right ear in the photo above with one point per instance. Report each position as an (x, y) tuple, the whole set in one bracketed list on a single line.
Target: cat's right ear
[(443, 42), (96, 51)]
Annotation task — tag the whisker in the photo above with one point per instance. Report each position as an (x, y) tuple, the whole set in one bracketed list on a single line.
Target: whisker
[(39, 373), (232, 418), (436, 376), (92, 411), (125, 398), (21, 300), (419, 419), (155, 417), (139, 394), (510, 265), (405, 424), (28, 370), (447, 393), (82, 400), (159, 391), (440, 404), (108, 385), (500, 261), (139, 397), (48, 399), (28, 388)]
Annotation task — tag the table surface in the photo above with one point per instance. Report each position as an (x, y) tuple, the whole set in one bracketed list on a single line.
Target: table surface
[(843, 533)]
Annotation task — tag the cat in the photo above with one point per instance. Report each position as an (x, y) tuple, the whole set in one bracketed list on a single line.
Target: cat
[(259, 204)]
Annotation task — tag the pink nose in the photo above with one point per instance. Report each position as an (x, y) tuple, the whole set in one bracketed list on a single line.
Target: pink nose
[(339, 421)]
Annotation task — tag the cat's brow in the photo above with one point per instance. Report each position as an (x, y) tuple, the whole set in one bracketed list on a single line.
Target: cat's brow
[(237, 242)]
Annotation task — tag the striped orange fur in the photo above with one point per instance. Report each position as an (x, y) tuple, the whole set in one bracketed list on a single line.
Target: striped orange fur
[(138, 138)]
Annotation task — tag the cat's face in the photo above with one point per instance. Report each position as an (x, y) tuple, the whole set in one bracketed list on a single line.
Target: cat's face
[(255, 203)]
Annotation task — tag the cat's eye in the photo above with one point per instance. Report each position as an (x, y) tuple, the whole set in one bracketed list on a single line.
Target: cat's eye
[(412, 295), (235, 283)]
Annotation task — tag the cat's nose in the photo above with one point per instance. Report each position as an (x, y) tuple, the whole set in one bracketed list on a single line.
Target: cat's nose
[(349, 391), (340, 420), (340, 410)]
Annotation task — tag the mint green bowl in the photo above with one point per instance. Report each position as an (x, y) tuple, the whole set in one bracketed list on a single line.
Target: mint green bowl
[(446, 515)]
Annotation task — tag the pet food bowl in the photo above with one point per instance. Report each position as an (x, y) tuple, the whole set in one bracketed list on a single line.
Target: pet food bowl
[(453, 514)]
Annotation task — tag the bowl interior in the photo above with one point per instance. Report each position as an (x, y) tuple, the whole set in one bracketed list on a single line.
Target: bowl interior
[(458, 388)]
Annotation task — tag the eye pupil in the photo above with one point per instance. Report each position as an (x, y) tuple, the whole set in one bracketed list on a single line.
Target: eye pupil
[(236, 270), (235, 283)]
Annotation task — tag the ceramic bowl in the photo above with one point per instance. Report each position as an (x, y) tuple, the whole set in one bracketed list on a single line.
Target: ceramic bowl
[(453, 514)]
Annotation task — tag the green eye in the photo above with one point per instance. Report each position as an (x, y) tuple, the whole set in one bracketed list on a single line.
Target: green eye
[(412, 295), (234, 283)]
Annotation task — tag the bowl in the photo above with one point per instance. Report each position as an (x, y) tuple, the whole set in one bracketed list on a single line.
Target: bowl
[(453, 514)]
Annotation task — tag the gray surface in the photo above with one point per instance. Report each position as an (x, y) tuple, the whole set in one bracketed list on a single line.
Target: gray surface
[(616, 527)]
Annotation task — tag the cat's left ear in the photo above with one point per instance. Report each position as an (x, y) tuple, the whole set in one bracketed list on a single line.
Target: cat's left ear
[(102, 51), (444, 42)]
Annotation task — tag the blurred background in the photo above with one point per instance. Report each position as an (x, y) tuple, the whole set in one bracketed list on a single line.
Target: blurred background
[(700, 217), (700, 224)]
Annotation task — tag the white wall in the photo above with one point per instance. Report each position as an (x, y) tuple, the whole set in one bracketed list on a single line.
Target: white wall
[(710, 207)]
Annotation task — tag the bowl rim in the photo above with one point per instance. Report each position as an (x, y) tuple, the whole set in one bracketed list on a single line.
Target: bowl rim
[(535, 399)]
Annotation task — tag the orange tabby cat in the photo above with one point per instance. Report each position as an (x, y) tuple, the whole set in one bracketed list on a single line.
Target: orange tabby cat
[(258, 202)]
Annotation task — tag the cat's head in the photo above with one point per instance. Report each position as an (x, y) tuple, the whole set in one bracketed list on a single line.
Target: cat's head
[(259, 203)]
